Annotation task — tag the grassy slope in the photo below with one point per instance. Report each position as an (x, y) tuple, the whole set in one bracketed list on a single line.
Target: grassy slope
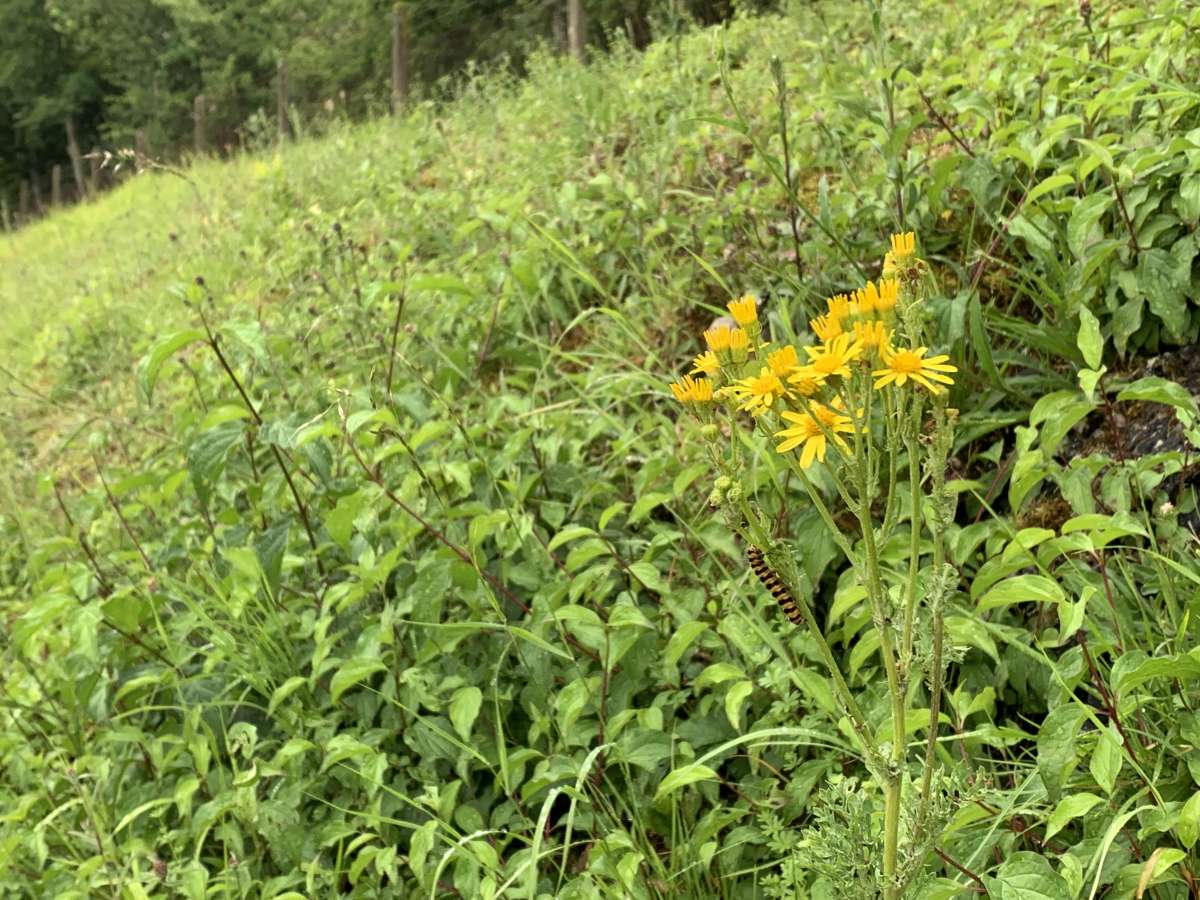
[(559, 242)]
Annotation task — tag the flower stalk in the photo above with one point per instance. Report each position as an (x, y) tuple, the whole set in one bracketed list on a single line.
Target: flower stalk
[(852, 403)]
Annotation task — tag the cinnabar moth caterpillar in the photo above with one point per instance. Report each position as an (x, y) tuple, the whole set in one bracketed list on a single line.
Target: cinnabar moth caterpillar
[(772, 583)]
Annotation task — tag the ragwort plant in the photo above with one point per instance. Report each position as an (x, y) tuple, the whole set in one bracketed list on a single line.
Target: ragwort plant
[(866, 401)]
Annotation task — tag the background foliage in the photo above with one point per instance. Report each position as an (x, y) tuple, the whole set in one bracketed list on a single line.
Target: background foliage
[(119, 65), (412, 588)]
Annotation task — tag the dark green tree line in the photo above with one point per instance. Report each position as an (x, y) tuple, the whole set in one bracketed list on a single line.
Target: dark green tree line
[(115, 66)]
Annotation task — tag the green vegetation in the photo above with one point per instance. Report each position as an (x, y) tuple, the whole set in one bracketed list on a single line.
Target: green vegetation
[(353, 543)]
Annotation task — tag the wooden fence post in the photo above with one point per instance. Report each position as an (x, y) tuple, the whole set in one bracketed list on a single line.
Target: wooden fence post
[(200, 141), (94, 171), (281, 100), (56, 185), (399, 57), (576, 28), (38, 209), (76, 160)]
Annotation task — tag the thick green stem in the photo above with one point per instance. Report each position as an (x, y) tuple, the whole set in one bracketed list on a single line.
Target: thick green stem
[(893, 780), (914, 559)]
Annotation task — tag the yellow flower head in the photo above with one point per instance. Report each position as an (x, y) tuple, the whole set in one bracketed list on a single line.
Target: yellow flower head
[(839, 306), (718, 338), (783, 361), (706, 364), (702, 391), (692, 390), (758, 392), (809, 430), (866, 299), (901, 365), (826, 328), (831, 358), (872, 335), (803, 384), (903, 247), (744, 310), (738, 339), (885, 301), (889, 265)]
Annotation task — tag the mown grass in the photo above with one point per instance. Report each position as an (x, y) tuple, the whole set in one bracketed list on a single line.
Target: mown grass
[(413, 589)]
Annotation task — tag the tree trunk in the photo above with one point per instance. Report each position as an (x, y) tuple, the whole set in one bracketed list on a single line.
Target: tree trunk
[(140, 148), (5, 214), (24, 202), (200, 138), (399, 57), (76, 160), (576, 28), (56, 186), (281, 101)]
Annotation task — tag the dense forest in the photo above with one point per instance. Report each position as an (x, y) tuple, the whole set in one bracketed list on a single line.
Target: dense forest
[(109, 68)]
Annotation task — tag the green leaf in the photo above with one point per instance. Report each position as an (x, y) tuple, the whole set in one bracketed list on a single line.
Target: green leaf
[(647, 573), (1069, 808), (1089, 340), (1022, 589), (340, 522), (1053, 183), (1027, 876), (152, 362), (1057, 745), (350, 672), (464, 708), (1160, 390), (682, 777), (734, 699), (1097, 152), (1107, 761), (717, 673), (683, 637), (570, 533), (1085, 216), (645, 504), (1187, 829), (270, 547), (1166, 291), (206, 454)]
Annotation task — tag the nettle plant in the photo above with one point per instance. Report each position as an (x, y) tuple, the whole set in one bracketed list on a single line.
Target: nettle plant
[(862, 420)]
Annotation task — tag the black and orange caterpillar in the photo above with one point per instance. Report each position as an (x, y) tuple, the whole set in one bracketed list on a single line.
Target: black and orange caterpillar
[(772, 583)]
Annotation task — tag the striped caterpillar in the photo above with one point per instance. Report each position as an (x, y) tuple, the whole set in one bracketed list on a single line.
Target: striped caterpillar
[(772, 583)]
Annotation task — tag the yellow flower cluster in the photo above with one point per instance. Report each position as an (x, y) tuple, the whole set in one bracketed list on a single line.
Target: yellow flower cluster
[(855, 335)]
